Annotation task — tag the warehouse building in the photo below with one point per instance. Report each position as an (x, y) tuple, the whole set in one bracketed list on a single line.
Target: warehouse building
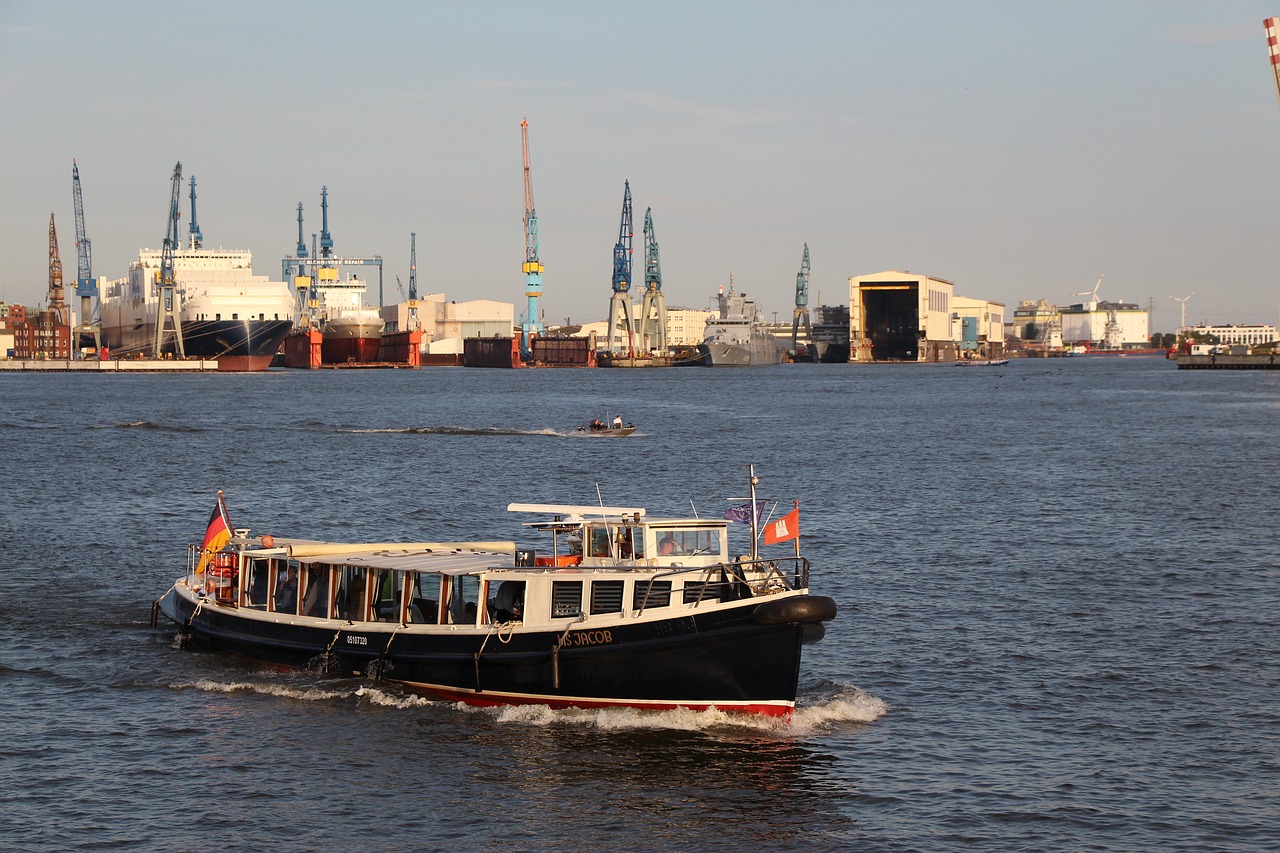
[(899, 316)]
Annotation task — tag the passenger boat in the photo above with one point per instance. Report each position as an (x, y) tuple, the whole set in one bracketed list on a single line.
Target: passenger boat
[(621, 609), (982, 362)]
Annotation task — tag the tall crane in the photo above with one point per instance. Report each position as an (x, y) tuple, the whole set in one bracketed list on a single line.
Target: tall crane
[(653, 308), (57, 301), (166, 283), (413, 282), (193, 230), (86, 285), (532, 267), (622, 328), (302, 241), (800, 317)]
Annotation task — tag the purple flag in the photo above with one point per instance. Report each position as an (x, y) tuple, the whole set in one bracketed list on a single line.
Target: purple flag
[(742, 513)]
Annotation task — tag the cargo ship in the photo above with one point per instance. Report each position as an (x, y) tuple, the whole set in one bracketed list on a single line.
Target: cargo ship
[(227, 313), (738, 337), (829, 339)]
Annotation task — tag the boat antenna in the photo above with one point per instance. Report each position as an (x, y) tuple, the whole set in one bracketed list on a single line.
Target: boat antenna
[(694, 507), (599, 496)]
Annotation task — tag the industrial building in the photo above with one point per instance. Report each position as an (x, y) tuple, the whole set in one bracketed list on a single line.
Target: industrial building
[(1106, 325), (445, 324), (1249, 335), (900, 316), (978, 326)]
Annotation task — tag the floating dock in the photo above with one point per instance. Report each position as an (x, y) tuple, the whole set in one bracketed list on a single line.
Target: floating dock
[(1228, 362), (114, 365)]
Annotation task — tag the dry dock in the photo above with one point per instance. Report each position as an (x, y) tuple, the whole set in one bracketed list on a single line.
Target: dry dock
[(121, 365)]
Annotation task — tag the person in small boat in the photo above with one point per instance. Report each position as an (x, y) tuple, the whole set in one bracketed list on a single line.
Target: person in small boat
[(287, 592), (617, 421), (597, 425)]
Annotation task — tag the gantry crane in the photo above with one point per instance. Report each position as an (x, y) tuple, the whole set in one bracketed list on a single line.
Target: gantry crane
[(57, 300), (86, 285), (621, 326), (413, 282), (194, 237), (653, 308), (800, 317), (306, 269), (532, 267), (166, 284)]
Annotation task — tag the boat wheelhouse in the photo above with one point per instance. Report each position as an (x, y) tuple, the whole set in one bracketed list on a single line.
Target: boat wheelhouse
[(617, 609)]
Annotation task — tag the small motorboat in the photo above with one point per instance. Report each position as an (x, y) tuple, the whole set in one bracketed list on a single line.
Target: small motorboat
[(985, 362), (616, 609), (599, 427)]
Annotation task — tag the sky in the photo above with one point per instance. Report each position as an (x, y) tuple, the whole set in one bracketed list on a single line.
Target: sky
[(1017, 149)]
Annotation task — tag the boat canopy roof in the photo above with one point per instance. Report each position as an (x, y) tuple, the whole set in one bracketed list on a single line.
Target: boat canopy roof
[(449, 558)]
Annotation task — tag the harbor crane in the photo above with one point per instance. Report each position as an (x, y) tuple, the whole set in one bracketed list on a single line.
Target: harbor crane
[(1272, 26), (622, 327), (305, 269), (413, 281), (800, 316), (166, 284), (653, 307), (194, 237), (57, 300), (532, 267), (86, 285)]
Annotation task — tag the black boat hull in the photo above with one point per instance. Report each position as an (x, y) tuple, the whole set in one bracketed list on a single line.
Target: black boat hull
[(720, 658)]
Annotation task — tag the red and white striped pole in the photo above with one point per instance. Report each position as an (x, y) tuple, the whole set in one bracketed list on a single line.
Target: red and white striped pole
[(1272, 25)]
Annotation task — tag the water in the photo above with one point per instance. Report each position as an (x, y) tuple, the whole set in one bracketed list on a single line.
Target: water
[(1057, 584)]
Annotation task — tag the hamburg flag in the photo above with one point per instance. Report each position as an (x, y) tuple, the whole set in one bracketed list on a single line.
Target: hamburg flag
[(216, 535), (787, 527)]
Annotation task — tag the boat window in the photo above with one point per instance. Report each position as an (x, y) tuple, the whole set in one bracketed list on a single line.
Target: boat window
[(349, 603), (636, 535), (286, 589), (257, 573), (387, 587), (424, 607), (695, 591), (315, 601), (650, 594), (606, 597), (688, 542), (464, 599), (599, 538), (566, 598)]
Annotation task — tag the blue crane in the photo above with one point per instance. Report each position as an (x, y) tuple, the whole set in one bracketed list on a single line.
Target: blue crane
[(193, 229), (652, 325), (621, 328), (326, 241), (532, 267), (86, 285), (800, 317), (413, 282), (167, 280), (302, 241)]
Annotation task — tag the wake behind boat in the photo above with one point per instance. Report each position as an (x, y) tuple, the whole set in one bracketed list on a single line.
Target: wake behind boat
[(621, 610)]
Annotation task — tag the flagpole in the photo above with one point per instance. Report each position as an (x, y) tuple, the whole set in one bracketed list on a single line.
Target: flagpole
[(755, 521), (797, 503)]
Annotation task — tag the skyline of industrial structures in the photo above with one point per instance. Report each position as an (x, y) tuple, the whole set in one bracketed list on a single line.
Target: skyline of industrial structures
[(1139, 150)]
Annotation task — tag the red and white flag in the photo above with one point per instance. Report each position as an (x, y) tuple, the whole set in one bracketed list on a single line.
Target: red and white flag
[(785, 528)]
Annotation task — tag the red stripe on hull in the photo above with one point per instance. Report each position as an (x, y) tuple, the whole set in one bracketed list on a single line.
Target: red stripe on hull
[(497, 700)]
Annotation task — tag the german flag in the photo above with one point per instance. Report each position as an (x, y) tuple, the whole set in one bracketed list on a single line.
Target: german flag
[(216, 535)]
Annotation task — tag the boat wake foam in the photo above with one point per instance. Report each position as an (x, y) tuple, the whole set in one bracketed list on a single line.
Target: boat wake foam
[(149, 425), (456, 430), (830, 707)]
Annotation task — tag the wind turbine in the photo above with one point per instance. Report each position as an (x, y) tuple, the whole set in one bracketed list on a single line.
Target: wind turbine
[(1093, 294), (1183, 300)]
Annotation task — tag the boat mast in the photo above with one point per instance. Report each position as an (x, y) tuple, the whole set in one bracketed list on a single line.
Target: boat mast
[(755, 518)]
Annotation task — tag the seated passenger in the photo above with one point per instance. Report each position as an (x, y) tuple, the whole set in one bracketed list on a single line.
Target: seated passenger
[(287, 592), (508, 605)]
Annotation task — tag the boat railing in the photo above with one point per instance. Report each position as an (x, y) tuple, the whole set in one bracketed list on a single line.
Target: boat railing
[(737, 579)]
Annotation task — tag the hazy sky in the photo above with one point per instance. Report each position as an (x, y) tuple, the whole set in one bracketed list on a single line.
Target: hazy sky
[(1018, 149)]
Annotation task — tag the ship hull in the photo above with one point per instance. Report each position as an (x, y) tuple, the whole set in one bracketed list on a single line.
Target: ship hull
[(760, 351), (351, 339), (241, 344)]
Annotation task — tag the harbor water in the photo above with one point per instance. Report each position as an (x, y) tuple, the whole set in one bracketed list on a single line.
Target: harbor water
[(1057, 583)]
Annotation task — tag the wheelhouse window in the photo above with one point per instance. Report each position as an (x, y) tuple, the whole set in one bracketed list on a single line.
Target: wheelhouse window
[(688, 542), (606, 597), (387, 588), (566, 599)]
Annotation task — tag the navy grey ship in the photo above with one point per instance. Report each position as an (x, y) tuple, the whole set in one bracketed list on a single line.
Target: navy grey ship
[(738, 337)]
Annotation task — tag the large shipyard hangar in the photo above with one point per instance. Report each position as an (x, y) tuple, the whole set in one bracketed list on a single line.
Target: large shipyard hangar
[(898, 316)]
